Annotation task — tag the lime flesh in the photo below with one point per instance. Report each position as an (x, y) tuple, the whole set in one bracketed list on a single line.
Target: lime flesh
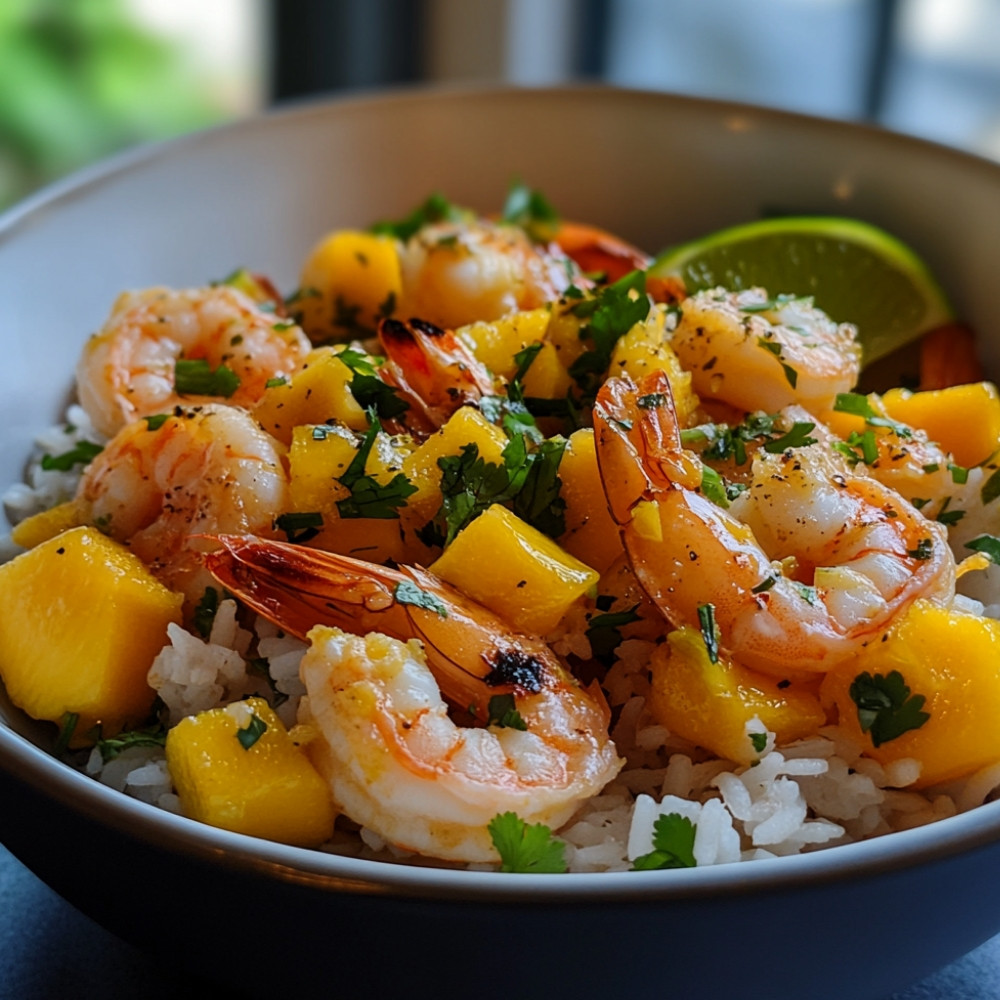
[(855, 272)]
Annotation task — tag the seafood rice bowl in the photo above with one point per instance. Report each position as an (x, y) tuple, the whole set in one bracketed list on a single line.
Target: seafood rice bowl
[(497, 545)]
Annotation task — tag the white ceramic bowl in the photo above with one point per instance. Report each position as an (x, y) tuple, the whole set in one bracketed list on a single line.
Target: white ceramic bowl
[(854, 921)]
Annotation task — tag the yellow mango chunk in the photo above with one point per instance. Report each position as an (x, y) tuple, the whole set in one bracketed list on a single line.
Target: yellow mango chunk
[(267, 788), (317, 458), (953, 661), (83, 620), (349, 280), (644, 349), (711, 703), (514, 570), (547, 378), (963, 419), (591, 535), (46, 524), (465, 426), (318, 394), (496, 343)]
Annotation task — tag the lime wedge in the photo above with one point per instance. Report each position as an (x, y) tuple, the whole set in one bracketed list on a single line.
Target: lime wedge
[(855, 272)]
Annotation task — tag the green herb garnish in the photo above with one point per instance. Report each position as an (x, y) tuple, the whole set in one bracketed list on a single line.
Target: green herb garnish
[(252, 731), (300, 526), (407, 592), (524, 848), (989, 545), (791, 375), (370, 392), (886, 709), (673, 844), (369, 497), (502, 713), (530, 210), (436, 208), (82, 453), (196, 377), (858, 405), (924, 549), (113, 746), (205, 611), (758, 741), (797, 437), (67, 727), (604, 633), (709, 630)]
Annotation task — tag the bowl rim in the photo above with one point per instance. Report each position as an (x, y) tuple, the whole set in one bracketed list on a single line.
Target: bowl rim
[(26, 762)]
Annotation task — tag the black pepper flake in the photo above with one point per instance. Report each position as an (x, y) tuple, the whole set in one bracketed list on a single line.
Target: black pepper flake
[(784, 683), (60, 551)]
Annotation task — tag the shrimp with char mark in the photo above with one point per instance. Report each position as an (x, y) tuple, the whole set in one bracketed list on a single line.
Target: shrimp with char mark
[(861, 554), (396, 761), (433, 370), (205, 468), (756, 353), (128, 369)]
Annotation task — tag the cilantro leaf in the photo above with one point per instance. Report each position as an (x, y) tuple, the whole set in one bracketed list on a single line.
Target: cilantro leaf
[(990, 490), (524, 848), (989, 545), (252, 731), (924, 549), (196, 377), (82, 453), (502, 713), (610, 314), (709, 630), (67, 727), (791, 375), (369, 497), (205, 610), (113, 746), (673, 844), (436, 208), (407, 592), (370, 392), (538, 502), (604, 633), (858, 405), (886, 709), (530, 210), (300, 526), (797, 437)]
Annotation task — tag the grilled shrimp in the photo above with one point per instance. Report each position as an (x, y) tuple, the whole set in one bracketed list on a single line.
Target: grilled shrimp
[(129, 369), (760, 354), (455, 273), (808, 565), (206, 468), (432, 368), (396, 761)]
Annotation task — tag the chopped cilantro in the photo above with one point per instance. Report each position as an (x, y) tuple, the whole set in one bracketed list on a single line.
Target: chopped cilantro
[(261, 667), (604, 632), (370, 392), (610, 315), (113, 746), (991, 488), (67, 727), (369, 497), (765, 585), (156, 420), (195, 377), (436, 208), (709, 630), (886, 709), (807, 593), (924, 549), (858, 405), (797, 437), (524, 848), (538, 502), (252, 731), (759, 741), (673, 844), (271, 383), (205, 611), (502, 713), (959, 474), (791, 375), (530, 210), (989, 545), (300, 526), (82, 453), (407, 592), (651, 401), (713, 486), (949, 517)]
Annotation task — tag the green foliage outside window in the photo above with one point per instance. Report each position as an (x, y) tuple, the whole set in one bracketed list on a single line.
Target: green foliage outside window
[(80, 79)]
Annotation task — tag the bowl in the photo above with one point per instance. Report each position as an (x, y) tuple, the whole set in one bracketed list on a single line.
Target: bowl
[(859, 921)]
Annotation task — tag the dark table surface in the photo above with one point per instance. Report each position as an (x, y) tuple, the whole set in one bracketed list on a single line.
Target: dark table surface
[(48, 949)]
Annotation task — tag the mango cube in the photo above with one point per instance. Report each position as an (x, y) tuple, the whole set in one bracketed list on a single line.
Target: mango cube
[(963, 419), (83, 620), (953, 661), (237, 768), (46, 524), (711, 703), (317, 394), (514, 570), (496, 343), (591, 534)]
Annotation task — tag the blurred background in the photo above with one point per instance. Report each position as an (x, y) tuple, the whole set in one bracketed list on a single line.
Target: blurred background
[(80, 79)]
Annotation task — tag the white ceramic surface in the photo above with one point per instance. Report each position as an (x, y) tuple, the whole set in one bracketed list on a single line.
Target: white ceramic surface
[(657, 170)]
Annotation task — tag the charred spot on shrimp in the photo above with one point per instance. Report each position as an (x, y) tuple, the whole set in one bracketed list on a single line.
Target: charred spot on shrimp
[(512, 667), (424, 327)]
